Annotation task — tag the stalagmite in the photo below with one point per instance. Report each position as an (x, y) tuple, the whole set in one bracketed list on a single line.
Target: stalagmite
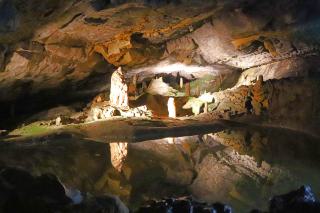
[(172, 108), (260, 100), (58, 121), (181, 82), (206, 107), (119, 152), (119, 90)]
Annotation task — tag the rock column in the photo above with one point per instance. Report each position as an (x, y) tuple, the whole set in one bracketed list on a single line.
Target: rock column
[(172, 108), (119, 90)]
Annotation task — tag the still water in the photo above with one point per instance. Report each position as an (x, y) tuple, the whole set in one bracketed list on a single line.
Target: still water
[(240, 166)]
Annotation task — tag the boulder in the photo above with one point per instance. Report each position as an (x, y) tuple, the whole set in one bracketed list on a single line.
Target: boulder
[(183, 205), (21, 192), (300, 200)]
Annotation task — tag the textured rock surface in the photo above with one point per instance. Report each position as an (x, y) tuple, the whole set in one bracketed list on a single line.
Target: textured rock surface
[(274, 100), (51, 48), (118, 152), (119, 95), (21, 192)]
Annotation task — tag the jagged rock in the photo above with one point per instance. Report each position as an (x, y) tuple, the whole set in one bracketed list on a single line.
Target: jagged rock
[(128, 50), (197, 103), (65, 111), (259, 93), (105, 111), (18, 63), (110, 112), (184, 205), (22, 192), (288, 68), (301, 200)]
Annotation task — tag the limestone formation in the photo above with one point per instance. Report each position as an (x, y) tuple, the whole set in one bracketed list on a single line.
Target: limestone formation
[(172, 108), (119, 90), (158, 87), (58, 121), (196, 104), (260, 96)]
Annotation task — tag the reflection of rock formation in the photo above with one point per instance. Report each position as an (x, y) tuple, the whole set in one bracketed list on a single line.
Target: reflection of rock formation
[(241, 166), (119, 90), (260, 96), (222, 174), (119, 152)]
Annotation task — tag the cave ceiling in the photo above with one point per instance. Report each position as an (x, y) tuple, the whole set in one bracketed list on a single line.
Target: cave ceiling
[(63, 45)]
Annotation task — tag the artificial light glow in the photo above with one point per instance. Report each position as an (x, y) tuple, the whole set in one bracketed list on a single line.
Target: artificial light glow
[(184, 70)]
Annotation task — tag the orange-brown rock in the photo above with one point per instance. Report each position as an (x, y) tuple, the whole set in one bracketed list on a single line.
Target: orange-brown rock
[(260, 96)]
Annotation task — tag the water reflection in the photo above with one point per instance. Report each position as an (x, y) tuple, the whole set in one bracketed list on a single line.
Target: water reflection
[(118, 152), (240, 166)]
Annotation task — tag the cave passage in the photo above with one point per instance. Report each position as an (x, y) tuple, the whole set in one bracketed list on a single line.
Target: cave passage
[(159, 106)]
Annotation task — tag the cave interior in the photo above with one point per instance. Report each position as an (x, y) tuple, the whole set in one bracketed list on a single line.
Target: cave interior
[(159, 106)]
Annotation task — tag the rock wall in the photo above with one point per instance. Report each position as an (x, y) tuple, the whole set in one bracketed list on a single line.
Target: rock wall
[(50, 49), (274, 102)]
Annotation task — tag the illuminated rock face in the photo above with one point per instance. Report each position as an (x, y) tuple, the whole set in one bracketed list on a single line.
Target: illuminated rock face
[(260, 96), (119, 90), (172, 108), (59, 45)]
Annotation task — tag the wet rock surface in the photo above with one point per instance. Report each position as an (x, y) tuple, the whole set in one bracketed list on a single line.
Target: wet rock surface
[(300, 200), (21, 192), (184, 205)]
